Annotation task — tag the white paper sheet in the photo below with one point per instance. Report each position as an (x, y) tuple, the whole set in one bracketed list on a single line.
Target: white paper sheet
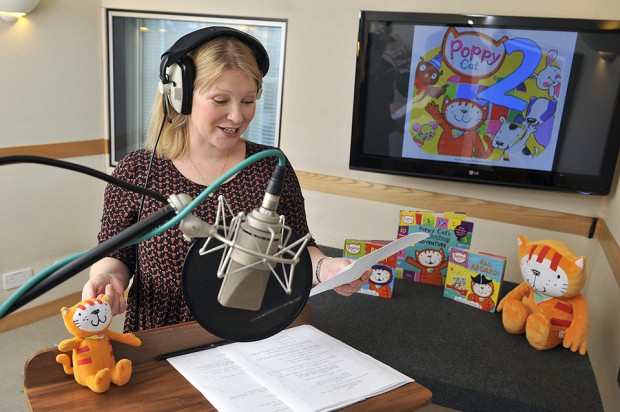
[(359, 266), (312, 371), (300, 369), (225, 384)]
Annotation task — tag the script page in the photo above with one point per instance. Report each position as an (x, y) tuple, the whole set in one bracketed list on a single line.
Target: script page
[(312, 371), (225, 384)]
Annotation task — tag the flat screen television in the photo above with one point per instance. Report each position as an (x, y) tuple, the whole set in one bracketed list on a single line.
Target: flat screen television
[(515, 101)]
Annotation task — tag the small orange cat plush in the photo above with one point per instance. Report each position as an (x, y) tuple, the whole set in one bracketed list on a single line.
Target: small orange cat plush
[(93, 359), (548, 307)]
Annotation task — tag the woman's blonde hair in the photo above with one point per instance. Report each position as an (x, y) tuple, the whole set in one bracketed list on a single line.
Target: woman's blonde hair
[(210, 61)]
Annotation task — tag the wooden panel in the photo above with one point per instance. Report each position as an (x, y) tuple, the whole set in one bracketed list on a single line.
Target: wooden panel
[(45, 310), (60, 150), (499, 212), (610, 247)]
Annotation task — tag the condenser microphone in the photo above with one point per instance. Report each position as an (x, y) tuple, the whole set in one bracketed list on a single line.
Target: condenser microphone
[(246, 272), (245, 277)]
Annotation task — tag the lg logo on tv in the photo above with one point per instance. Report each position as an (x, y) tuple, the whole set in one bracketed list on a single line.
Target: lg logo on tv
[(474, 173)]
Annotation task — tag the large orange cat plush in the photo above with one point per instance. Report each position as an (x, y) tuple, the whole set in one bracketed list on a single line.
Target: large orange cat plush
[(93, 359), (548, 307)]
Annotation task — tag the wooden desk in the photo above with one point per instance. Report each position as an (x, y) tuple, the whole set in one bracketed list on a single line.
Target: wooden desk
[(156, 386)]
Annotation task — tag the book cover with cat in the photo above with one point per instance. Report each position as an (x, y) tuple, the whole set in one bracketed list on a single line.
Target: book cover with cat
[(427, 261), (381, 282), (474, 278)]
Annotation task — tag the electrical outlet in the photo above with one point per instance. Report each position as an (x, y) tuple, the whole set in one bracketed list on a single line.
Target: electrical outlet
[(16, 279)]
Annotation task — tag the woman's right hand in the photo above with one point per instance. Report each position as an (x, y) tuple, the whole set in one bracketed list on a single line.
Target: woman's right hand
[(110, 277)]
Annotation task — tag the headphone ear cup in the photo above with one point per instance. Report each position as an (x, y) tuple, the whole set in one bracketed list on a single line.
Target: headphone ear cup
[(187, 69), (181, 76)]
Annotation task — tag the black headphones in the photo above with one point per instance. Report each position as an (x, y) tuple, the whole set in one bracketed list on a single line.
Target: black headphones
[(177, 72)]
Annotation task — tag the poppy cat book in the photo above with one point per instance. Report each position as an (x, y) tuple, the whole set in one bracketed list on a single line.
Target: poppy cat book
[(474, 278), (427, 261), (381, 281)]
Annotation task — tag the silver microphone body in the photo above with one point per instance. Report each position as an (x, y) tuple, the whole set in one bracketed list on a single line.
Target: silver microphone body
[(246, 275)]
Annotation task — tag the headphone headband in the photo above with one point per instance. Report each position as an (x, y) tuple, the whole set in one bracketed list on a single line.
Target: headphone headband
[(195, 39), (176, 70)]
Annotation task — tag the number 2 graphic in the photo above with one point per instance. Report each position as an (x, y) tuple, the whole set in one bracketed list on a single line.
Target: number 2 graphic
[(497, 93)]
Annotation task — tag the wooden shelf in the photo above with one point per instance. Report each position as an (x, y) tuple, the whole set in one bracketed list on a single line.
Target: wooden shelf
[(585, 226)]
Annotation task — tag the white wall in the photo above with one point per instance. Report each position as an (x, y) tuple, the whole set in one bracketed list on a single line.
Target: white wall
[(55, 93), (52, 75), (52, 92)]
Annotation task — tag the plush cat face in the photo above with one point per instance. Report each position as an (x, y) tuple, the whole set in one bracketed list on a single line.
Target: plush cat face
[(550, 267), (430, 258), (88, 317)]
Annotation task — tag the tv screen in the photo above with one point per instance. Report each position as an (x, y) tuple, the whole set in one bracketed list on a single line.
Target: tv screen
[(517, 101)]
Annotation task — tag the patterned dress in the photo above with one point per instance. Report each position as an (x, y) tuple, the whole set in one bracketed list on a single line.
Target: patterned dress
[(156, 296)]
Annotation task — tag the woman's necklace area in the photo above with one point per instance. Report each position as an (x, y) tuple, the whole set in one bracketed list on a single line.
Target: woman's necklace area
[(221, 170)]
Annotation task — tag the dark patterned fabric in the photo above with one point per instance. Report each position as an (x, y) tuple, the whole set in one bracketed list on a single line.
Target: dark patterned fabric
[(156, 297)]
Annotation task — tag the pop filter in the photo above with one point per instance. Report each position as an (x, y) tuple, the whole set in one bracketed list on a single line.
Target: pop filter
[(201, 287)]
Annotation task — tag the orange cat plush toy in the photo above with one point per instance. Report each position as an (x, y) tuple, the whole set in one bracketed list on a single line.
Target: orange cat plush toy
[(93, 359), (548, 307)]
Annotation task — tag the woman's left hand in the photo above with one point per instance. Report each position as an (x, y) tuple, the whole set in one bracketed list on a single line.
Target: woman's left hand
[(331, 266)]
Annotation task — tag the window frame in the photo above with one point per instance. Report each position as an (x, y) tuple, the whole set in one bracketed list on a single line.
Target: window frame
[(133, 113)]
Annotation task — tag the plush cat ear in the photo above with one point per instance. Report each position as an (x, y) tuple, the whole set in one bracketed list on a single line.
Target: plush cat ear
[(521, 240), (580, 262), (64, 311)]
